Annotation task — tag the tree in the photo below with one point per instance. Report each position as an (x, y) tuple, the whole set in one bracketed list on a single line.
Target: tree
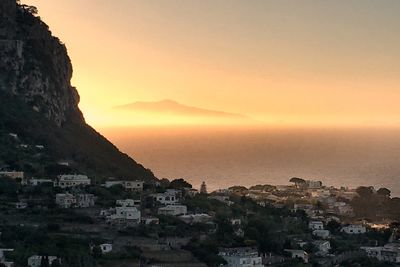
[(333, 226), (297, 181), (203, 188), (384, 192), (365, 191), (179, 184)]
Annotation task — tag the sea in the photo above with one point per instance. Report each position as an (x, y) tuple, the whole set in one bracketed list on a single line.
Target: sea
[(227, 156)]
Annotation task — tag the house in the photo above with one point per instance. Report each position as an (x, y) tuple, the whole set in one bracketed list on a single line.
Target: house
[(324, 234), (236, 222), (66, 181), (241, 257), (36, 182), (21, 205), (298, 254), (36, 260), (3, 259), (125, 215), (65, 200), (149, 220), (270, 259), (170, 197), (196, 218), (128, 202), (173, 210), (389, 253), (323, 246), (316, 225), (13, 174), (310, 184), (354, 229), (85, 200), (128, 185), (75, 201)]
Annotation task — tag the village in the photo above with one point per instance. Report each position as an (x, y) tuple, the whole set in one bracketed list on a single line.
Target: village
[(168, 223)]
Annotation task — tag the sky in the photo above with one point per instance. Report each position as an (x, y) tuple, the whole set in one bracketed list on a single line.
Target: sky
[(282, 62)]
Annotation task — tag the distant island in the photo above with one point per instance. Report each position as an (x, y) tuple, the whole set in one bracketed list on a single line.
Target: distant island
[(173, 108)]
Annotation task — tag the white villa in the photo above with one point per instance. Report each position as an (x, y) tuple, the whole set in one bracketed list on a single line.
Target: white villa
[(353, 229), (316, 225), (173, 210), (75, 201), (390, 252), (128, 202), (241, 257), (36, 182), (125, 215), (324, 234), (323, 246), (66, 181), (168, 198), (36, 260)]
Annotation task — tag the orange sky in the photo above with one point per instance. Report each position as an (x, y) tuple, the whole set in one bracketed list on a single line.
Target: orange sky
[(280, 62)]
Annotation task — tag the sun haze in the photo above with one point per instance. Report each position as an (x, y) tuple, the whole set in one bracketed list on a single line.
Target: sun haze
[(279, 62)]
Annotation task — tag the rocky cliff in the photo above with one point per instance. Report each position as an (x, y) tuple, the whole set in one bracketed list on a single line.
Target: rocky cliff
[(39, 104)]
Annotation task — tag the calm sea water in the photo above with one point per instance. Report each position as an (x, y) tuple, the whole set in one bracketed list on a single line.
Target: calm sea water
[(228, 156)]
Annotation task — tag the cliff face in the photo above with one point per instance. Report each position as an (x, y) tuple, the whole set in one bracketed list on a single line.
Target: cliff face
[(39, 103), (36, 65)]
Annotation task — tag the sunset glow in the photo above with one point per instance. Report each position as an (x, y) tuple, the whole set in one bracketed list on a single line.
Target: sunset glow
[(279, 62)]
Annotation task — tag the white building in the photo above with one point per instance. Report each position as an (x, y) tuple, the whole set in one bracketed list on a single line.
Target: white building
[(36, 182), (75, 201), (125, 215), (323, 246), (389, 253), (21, 205), (66, 181), (316, 225), (150, 220), (310, 184), (13, 174), (36, 260), (298, 254), (196, 218), (128, 202), (85, 200), (66, 200), (167, 198), (18, 176), (321, 233), (241, 257), (3, 259), (128, 185), (173, 210), (354, 229)]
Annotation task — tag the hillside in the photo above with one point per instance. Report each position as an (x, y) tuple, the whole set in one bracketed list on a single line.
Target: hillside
[(39, 105)]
